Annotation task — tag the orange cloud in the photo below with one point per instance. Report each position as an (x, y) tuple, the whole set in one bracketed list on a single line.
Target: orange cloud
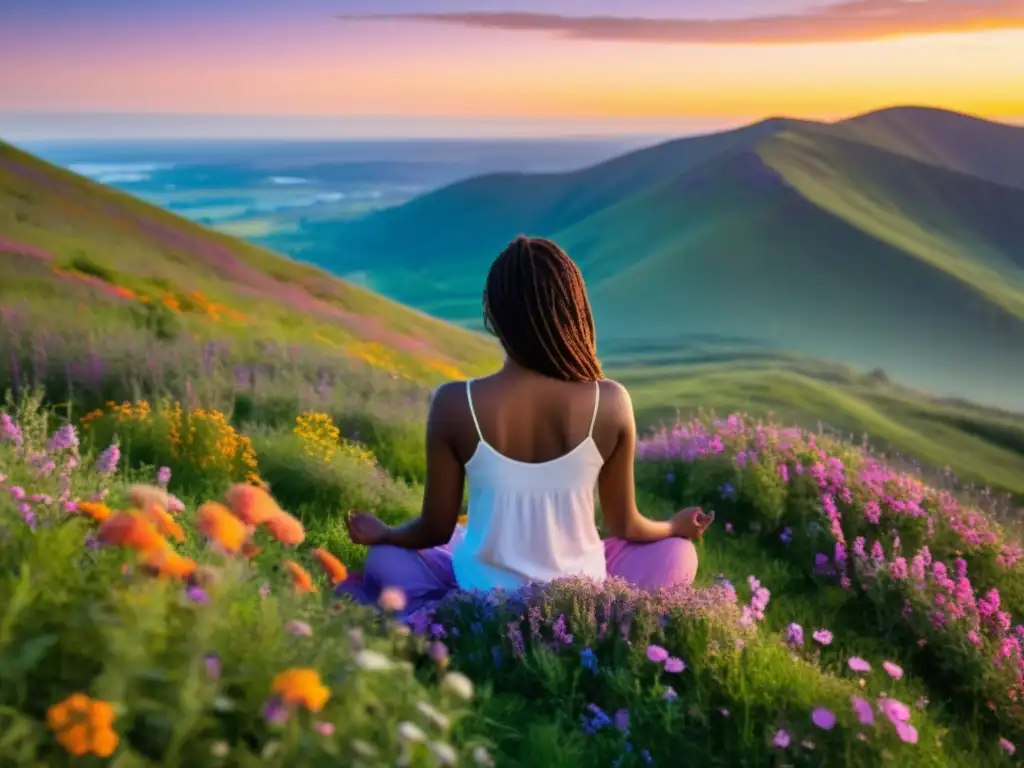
[(848, 21)]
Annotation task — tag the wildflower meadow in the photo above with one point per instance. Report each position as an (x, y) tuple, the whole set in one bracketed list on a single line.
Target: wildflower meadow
[(168, 598)]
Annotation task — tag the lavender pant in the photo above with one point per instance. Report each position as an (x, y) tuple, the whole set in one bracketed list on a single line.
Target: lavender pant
[(427, 576)]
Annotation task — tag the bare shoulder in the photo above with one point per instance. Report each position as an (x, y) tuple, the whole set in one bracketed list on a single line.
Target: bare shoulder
[(615, 397), (448, 399)]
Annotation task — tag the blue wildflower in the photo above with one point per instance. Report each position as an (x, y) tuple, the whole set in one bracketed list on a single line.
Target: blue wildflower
[(588, 660)]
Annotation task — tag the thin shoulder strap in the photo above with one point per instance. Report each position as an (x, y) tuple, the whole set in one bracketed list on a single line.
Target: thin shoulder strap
[(472, 411), (597, 402)]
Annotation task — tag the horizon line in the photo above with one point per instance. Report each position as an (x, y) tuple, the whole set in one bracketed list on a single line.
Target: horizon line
[(584, 128)]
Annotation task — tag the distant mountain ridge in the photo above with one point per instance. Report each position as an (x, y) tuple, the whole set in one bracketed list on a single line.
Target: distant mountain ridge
[(889, 240)]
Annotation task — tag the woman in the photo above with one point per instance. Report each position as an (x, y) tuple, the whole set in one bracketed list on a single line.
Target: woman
[(534, 439)]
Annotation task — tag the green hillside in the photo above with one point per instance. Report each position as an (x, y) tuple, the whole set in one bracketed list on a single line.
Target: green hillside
[(792, 235), (81, 264), (100, 292), (959, 142), (674, 378)]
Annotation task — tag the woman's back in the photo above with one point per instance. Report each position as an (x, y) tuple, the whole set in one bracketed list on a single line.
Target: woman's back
[(532, 463), (534, 440)]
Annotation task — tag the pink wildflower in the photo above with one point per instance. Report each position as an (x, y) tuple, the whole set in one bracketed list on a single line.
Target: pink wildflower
[(863, 710), (857, 664), (895, 671)]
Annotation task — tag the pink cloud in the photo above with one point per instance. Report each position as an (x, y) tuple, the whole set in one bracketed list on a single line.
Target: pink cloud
[(847, 21)]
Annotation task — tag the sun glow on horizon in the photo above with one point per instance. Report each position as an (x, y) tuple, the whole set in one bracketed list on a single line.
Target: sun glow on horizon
[(409, 70)]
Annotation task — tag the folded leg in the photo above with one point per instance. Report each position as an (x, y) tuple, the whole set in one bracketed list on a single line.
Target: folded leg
[(424, 576), (666, 563)]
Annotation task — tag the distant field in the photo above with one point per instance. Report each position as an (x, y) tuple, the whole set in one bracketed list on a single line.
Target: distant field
[(980, 445)]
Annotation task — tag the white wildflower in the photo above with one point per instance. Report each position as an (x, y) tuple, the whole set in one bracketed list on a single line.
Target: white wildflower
[(443, 753), (373, 660), (364, 749), (410, 732), (434, 715), (458, 684)]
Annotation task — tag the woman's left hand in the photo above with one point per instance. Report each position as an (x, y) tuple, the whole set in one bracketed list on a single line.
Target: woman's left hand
[(366, 529)]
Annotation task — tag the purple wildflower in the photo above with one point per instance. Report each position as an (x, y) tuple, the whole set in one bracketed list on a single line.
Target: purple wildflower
[(674, 666), (795, 636), (275, 711), (212, 664), (64, 439), (657, 654), (515, 636), (561, 634), (622, 720), (106, 464), (823, 637), (782, 738), (823, 718), (163, 476)]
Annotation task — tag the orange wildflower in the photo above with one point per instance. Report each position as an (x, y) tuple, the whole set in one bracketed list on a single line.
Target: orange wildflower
[(216, 522), (301, 687), (332, 566), (250, 550), (301, 579), (463, 519), (164, 522), (286, 529), (142, 496), (252, 504), (128, 529), (83, 725), (166, 563), (97, 511)]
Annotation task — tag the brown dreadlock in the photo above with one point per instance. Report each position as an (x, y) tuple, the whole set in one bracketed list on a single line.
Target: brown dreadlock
[(535, 302)]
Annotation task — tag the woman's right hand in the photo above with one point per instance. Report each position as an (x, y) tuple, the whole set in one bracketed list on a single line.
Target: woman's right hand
[(691, 523), (366, 529)]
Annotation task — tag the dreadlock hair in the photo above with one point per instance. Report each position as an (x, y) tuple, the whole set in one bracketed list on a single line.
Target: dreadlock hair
[(535, 302)]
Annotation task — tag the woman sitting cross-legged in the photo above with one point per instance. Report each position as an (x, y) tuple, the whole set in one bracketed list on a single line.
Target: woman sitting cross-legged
[(534, 439)]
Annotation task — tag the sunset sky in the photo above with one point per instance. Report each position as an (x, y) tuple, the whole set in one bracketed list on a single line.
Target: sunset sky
[(383, 67)]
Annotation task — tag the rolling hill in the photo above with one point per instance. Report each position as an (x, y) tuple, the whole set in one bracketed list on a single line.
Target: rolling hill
[(96, 283), (81, 263), (889, 241)]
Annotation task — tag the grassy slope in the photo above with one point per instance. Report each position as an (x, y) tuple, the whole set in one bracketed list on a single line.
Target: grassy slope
[(69, 222), (962, 225), (677, 379), (66, 217), (735, 251), (468, 223), (959, 142)]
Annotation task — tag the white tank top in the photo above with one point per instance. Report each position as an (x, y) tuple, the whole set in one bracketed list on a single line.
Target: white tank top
[(529, 521)]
